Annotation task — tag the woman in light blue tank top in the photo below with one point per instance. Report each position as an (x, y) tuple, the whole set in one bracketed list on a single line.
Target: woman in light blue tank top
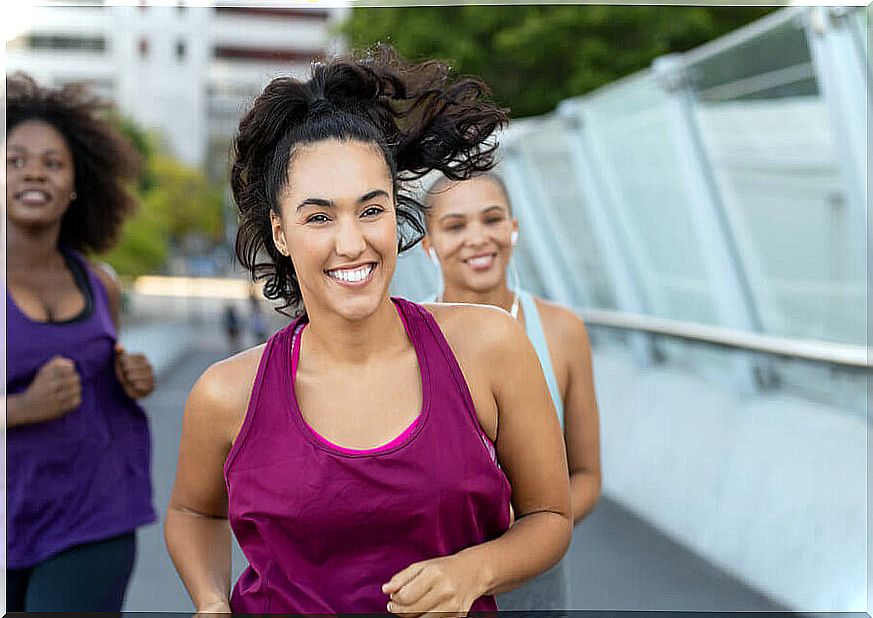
[(471, 236)]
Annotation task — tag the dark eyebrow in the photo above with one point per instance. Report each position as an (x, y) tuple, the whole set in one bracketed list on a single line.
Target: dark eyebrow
[(19, 148), (370, 195), (317, 201), (451, 215)]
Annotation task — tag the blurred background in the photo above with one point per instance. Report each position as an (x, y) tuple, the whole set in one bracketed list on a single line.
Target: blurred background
[(692, 179)]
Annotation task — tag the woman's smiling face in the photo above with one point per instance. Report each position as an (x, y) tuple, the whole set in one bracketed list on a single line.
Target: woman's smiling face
[(338, 224), (40, 174), (470, 227)]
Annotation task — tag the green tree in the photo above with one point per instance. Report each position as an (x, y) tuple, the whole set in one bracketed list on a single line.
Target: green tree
[(533, 56), (175, 200)]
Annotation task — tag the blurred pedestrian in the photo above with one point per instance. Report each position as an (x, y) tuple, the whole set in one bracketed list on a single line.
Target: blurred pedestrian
[(231, 323), (356, 455), (77, 442), (471, 235), (257, 320)]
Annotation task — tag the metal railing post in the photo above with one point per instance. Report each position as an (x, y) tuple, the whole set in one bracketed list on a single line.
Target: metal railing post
[(729, 285), (618, 253)]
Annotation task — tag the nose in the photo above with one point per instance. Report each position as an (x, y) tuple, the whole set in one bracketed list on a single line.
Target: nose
[(350, 241), (33, 171), (476, 235)]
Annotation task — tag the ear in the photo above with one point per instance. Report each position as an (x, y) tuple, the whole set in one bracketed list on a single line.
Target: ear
[(425, 244), (278, 233), (514, 231)]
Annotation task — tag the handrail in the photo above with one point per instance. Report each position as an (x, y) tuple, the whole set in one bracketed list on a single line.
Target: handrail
[(845, 355)]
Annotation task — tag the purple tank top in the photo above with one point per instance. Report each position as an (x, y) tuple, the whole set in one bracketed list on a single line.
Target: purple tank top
[(324, 527), (84, 476)]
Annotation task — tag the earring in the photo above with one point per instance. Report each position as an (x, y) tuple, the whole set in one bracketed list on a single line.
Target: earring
[(73, 196), (514, 237)]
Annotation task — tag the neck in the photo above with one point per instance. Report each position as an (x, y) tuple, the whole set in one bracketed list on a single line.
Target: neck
[(32, 249), (500, 296), (338, 341)]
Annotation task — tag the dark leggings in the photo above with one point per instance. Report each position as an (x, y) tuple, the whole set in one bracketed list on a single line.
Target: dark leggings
[(85, 578)]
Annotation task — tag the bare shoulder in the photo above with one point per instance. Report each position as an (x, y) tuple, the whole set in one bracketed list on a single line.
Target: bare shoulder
[(475, 329), (220, 397), (561, 323), (108, 277)]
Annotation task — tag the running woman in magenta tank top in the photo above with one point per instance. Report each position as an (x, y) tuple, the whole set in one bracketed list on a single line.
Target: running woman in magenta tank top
[(364, 456)]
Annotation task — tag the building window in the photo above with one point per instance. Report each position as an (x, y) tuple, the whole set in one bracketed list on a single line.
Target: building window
[(144, 47), (266, 55), (181, 49), (275, 12), (64, 41)]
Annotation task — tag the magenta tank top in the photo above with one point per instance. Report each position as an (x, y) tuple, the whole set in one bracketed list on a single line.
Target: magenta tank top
[(325, 527)]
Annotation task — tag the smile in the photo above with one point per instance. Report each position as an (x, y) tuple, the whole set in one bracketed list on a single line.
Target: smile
[(352, 276), (33, 196), (481, 262)]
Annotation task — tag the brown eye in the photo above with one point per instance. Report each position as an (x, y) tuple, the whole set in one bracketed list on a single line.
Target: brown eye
[(373, 211), (318, 219)]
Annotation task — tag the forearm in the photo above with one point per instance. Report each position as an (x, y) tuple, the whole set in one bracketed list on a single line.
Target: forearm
[(18, 411), (200, 547), (532, 545), (584, 493)]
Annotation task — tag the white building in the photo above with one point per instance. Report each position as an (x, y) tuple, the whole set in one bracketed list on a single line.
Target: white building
[(186, 72)]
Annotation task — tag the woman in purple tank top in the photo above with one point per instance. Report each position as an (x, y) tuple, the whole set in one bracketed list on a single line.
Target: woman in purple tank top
[(363, 457), (77, 442)]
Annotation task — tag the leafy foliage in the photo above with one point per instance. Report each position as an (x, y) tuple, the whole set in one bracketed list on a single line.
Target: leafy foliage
[(175, 201), (533, 56)]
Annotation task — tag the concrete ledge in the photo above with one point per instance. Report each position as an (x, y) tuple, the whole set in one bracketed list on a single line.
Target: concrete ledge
[(771, 489)]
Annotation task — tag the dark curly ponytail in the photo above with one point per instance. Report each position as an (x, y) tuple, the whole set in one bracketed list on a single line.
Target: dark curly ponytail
[(419, 118)]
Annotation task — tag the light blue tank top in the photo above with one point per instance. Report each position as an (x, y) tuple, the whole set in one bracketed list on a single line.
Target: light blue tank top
[(533, 326)]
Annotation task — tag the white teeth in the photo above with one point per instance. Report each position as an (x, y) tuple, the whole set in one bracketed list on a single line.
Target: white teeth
[(480, 262), (352, 276), (34, 195)]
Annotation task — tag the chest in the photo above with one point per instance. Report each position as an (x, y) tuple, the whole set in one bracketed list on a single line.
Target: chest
[(46, 296), (362, 407)]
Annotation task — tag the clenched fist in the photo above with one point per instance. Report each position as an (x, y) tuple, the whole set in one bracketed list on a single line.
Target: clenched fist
[(55, 391), (446, 585), (134, 372)]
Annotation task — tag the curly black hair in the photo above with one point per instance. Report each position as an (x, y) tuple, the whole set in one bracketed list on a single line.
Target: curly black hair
[(417, 116), (103, 159)]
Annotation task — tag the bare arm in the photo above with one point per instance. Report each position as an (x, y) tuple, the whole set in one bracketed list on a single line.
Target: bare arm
[(531, 451), (134, 371), (196, 528), (581, 423), (112, 283)]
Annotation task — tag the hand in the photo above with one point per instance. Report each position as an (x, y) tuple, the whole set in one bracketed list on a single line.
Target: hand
[(134, 372), (447, 584), (56, 390)]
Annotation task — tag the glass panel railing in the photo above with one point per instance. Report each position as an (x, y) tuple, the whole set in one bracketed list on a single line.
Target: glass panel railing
[(629, 131), (772, 151)]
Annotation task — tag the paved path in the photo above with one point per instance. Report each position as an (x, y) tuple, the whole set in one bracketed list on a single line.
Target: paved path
[(617, 561)]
